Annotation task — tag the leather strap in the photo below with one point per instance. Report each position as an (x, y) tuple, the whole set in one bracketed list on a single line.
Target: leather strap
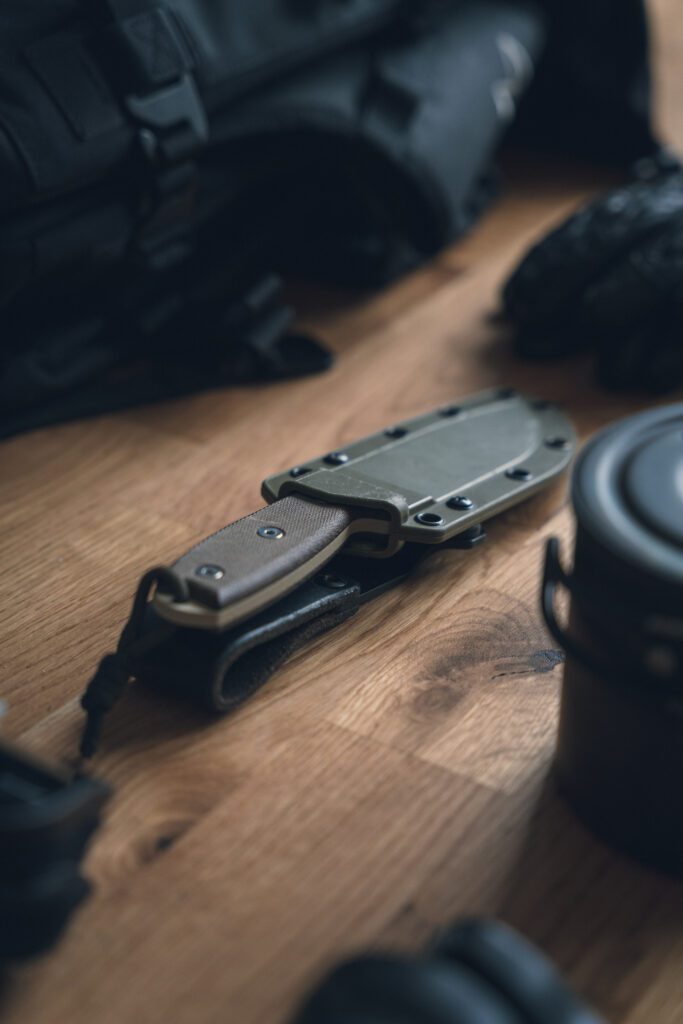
[(219, 672)]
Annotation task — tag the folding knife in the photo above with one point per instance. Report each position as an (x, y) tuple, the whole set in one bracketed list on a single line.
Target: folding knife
[(421, 481)]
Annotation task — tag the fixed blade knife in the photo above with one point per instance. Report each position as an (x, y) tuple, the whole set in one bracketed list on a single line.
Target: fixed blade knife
[(423, 480)]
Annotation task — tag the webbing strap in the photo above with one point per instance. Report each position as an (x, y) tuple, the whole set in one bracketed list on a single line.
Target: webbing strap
[(149, 63), (149, 50)]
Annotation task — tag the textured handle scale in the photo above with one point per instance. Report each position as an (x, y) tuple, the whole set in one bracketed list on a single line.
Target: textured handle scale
[(260, 558)]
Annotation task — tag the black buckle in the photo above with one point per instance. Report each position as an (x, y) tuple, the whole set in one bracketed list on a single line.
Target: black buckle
[(173, 120), (173, 128)]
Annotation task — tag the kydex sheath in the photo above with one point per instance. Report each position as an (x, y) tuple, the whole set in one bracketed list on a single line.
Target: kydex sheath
[(339, 529)]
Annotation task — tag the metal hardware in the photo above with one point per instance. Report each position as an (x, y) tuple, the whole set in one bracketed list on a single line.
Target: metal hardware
[(333, 582), (468, 539), (270, 532), (429, 518), (212, 572)]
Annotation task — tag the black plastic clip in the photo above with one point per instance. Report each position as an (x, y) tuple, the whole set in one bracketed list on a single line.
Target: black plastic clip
[(173, 128)]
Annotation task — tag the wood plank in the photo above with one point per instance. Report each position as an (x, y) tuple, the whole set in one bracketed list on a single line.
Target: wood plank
[(391, 777)]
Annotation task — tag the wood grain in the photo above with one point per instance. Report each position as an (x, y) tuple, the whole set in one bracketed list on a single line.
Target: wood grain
[(393, 776)]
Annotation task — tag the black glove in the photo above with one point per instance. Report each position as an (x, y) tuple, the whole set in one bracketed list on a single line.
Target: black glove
[(611, 279)]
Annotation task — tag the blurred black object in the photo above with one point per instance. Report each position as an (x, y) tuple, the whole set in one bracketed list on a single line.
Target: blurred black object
[(46, 822), (611, 279), (161, 160), (480, 972), (592, 92), (620, 746)]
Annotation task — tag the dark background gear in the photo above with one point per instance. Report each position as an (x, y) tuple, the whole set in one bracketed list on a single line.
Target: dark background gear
[(46, 823), (610, 279), (163, 162), (478, 972)]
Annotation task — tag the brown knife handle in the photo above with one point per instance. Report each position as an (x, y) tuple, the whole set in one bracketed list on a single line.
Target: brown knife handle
[(262, 557)]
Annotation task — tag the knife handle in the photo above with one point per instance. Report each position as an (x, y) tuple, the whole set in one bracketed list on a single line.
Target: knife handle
[(255, 561)]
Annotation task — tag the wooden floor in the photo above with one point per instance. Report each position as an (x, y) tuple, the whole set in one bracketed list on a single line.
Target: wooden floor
[(389, 779)]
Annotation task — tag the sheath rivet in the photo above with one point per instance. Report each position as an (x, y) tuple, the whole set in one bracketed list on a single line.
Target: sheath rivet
[(299, 471), (450, 410), (395, 432), (560, 443), (333, 582), (518, 473), (212, 572), (460, 501), (429, 518), (507, 393), (270, 532), (336, 459)]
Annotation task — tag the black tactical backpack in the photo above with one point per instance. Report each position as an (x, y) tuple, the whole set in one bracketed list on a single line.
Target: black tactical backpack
[(162, 161)]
